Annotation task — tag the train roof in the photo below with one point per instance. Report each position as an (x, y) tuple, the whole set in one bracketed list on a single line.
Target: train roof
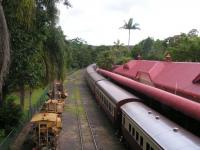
[(164, 132), (116, 93), (97, 77), (91, 68)]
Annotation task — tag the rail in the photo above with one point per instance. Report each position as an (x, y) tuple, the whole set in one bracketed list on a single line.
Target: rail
[(89, 125), (91, 131), (79, 125)]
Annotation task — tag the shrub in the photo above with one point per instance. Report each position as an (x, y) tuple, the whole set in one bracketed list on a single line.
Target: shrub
[(10, 114)]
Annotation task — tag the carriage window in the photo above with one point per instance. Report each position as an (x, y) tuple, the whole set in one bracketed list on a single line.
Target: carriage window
[(137, 136), (133, 131), (129, 127), (147, 146), (141, 141), (123, 120), (152, 148), (109, 107)]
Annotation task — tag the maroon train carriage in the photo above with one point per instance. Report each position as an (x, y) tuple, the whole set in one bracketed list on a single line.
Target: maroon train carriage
[(145, 129), (179, 109), (91, 68), (92, 77), (111, 97)]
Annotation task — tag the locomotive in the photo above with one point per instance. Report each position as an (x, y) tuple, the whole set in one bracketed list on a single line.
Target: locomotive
[(142, 127)]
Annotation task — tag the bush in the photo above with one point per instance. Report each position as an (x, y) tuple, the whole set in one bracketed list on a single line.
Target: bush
[(10, 114), (105, 60)]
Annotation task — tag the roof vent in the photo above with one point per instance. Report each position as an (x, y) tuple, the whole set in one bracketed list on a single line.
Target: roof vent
[(139, 57), (196, 79), (149, 112), (125, 66), (175, 129), (168, 57), (157, 117)]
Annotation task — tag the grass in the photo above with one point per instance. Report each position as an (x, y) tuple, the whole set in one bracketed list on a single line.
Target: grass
[(35, 96)]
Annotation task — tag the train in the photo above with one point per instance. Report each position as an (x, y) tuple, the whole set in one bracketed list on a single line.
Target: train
[(181, 110), (142, 127), (47, 124)]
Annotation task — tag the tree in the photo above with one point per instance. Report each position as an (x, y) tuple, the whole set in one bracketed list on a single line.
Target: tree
[(4, 48), (193, 33), (130, 26), (24, 11), (36, 42)]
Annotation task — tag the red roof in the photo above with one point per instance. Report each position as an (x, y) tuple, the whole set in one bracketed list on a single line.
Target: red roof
[(131, 68), (181, 78)]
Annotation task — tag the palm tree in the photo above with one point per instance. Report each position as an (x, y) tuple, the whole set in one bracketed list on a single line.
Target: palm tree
[(130, 26)]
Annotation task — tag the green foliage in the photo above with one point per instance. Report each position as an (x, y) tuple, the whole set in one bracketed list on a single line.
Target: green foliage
[(80, 53), (38, 45), (36, 93), (105, 60), (54, 50), (2, 134), (183, 47), (116, 54), (10, 114), (122, 60)]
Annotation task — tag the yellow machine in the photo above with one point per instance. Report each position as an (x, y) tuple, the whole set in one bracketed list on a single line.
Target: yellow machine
[(46, 128), (54, 106), (58, 94)]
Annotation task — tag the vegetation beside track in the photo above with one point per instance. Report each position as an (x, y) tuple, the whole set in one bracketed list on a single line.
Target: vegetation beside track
[(35, 96)]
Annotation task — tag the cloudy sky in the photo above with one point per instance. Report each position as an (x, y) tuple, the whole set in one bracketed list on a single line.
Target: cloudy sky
[(98, 21)]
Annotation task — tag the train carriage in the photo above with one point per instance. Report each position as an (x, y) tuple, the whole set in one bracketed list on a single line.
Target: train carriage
[(91, 68), (145, 129), (111, 98), (92, 77)]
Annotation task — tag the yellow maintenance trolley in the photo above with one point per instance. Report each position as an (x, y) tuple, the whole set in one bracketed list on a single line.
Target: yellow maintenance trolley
[(46, 128), (54, 106)]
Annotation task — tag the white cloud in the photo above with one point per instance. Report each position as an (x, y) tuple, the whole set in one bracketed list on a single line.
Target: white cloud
[(98, 21)]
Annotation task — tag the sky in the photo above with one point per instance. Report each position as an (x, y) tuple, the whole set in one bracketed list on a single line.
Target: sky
[(98, 21)]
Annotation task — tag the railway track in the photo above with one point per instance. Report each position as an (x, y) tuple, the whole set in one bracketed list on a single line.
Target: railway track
[(84, 127)]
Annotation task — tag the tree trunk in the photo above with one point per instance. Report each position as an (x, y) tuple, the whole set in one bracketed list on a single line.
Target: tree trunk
[(4, 47), (22, 95), (53, 90), (30, 100), (46, 68), (1, 99), (129, 33)]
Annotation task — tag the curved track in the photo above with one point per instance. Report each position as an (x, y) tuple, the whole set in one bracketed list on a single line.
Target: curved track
[(85, 127)]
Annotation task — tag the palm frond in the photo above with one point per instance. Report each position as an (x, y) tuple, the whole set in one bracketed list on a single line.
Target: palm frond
[(135, 27), (130, 22), (67, 3)]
